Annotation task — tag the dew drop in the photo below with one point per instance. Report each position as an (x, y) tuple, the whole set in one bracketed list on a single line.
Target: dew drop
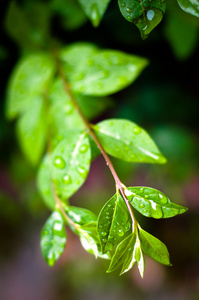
[(82, 171), (107, 217), (84, 148), (127, 227), (141, 205), (95, 14), (137, 130), (123, 4), (59, 162), (67, 179), (141, 190), (104, 240), (120, 232), (103, 233), (129, 10), (163, 199), (150, 14)]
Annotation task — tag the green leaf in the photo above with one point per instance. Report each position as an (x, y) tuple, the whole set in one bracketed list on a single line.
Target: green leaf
[(99, 73), (90, 240), (32, 130), (94, 9), (145, 14), (53, 238), (71, 14), (28, 25), (113, 223), (190, 6), (154, 247), (62, 113), (121, 252), (125, 140), (80, 216), (177, 30), (153, 203), (31, 77), (70, 163), (44, 183)]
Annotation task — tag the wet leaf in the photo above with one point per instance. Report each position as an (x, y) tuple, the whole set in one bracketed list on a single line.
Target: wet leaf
[(32, 130), (70, 163), (31, 76), (62, 113), (145, 14), (44, 183), (90, 240), (53, 238), (122, 252), (190, 6), (154, 247), (125, 140), (94, 9), (114, 222), (80, 216), (152, 203), (100, 72)]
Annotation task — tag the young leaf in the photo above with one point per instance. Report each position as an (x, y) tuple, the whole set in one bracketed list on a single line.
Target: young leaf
[(32, 129), (31, 76), (70, 163), (113, 223), (53, 238), (90, 240), (190, 6), (125, 140), (94, 9), (100, 73), (133, 254), (154, 247), (145, 14), (44, 183), (153, 203), (121, 252)]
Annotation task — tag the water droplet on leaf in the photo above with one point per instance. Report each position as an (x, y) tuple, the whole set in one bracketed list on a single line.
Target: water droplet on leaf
[(84, 148), (59, 162), (67, 179), (120, 232)]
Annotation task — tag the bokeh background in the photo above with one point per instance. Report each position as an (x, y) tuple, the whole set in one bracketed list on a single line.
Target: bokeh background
[(163, 100)]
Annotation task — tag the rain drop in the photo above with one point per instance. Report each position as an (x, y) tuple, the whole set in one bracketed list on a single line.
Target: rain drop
[(84, 148), (163, 199), (59, 162), (103, 233), (150, 14), (129, 10), (142, 205), (137, 130), (123, 4), (127, 227), (67, 179), (120, 232), (82, 171)]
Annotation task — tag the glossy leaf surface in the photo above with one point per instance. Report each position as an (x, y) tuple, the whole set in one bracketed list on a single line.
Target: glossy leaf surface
[(154, 247), (53, 238), (90, 240), (127, 253), (113, 223), (32, 130), (152, 203), (80, 216), (94, 9), (70, 163), (145, 14), (100, 72), (30, 77), (44, 183), (125, 140), (190, 6)]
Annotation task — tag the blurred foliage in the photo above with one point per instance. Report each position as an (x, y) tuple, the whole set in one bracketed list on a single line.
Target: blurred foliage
[(164, 100)]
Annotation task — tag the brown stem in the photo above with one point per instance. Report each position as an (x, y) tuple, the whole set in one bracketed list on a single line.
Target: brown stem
[(60, 207), (88, 126)]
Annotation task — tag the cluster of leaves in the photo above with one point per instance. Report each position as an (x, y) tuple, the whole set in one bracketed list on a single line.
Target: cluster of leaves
[(145, 14), (49, 93)]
